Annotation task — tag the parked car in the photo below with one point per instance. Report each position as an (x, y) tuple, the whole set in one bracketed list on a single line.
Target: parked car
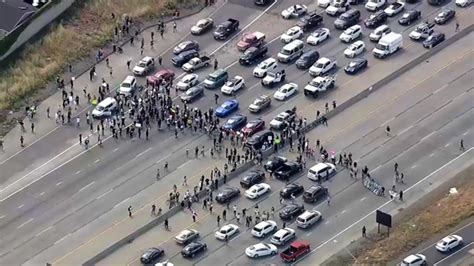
[(409, 17), (379, 32), (414, 260), (422, 31), (463, 3), (259, 139), (351, 33), (448, 243), (308, 218), (264, 228), (355, 49), (318, 36), (216, 79), (253, 127), (196, 63), (294, 11), (251, 39), (287, 170), (282, 236), (310, 21), (260, 103), (394, 8), (187, 81), (322, 66), (202, 26), (444, 16), (347, 19), (285, 91), (292, 34), (192, 94), (296, 250), (186, 236), (307, 59), (252, 178), (321, 170), (144, 66), (226, 231), (257, 190), (433, 40), (253, 54), (267, 65), (376, 19), (162, 76), (290, 190), (106, 108), (227, 194), (274, 77), (234, 85), (234, 123), (182, 58), (274, 163), (226, 29)]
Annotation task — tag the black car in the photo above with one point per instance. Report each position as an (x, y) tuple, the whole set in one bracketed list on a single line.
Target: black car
[(275, 162), (226, 29), (291, 189), (193, 248), (434, 39), (252, 178), (235, 123), (252, 54), (314, 193), (192, 93), (409, 17), (307, 59), (310, 21), (257, 140), (288, 169), (184, 57), (262, 2), (151, 255), (227, 194), (186, 46), (444, 16), (375, 20), (291, 210), (355, 65)]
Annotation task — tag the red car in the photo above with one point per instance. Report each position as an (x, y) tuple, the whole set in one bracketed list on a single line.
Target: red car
[(295, 251), (253, 127), (250, 39), (160, 76)]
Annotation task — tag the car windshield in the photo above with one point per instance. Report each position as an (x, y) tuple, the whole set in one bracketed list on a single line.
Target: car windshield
[(100, 108), (257, 229), (430, 38), (320, 65), (271, 74), (183, 45), (227, 105), (142, 64), (125, 85), (314, 83), (212, 78), (279, 118), (382, 47), (231, 83), (264, 65), (353, 63)]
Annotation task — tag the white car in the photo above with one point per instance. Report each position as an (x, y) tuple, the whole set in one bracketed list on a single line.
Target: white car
[(261, 250), (337, 7), (264, 228), (321, 170), (233, 85), (355, 49), (394, 8), (294, 11), (318, 36), (463, 3), (414, 260), (379, 32), (261, 69), (186, 236), (257, 190), (227, 230), (282, 236), (322, 66), (188, 81), (324, 3), (291, 34), (448, 243), (285, 91), (144, 66), (351, 33)]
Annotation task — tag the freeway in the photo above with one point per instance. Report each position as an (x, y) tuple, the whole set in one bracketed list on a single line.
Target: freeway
[(428, 109), (73, 196)]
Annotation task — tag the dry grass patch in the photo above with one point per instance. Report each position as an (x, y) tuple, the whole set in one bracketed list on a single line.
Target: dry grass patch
[(91, 27), (442, 215)]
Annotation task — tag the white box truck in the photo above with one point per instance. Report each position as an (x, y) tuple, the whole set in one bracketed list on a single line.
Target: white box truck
[(388, 45)]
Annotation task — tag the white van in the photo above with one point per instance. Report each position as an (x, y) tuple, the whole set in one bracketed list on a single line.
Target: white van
[(105, 108), (308, 218), (128, 86), (321, 170), (291, 51)]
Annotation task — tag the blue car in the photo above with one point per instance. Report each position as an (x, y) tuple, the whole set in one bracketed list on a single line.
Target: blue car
[(227, 107), (235, 123)]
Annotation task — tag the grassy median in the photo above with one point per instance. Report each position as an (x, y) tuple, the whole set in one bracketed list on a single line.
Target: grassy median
[(90, 26)]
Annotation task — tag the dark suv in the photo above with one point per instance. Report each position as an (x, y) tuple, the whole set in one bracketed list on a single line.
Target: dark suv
[(310, 21), (184, 57), (347, 19), (252, 54), (314, 193), (375, 20)]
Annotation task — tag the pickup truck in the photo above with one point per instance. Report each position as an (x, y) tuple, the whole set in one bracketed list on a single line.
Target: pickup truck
[(197, 63), (283, 119), (274, 77), (319, 84), (224, 30), (250, 39), (295, 251)]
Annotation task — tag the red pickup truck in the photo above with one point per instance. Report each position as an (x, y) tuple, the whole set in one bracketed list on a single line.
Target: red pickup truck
[(250, 39), (295, 251)]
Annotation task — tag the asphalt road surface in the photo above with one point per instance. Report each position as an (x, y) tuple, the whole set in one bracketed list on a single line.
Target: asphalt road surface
[(428, 109), (55, 196)]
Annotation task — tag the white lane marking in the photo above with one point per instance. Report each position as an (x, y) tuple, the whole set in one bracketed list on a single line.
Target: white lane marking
[(381, 206), (102, 195), (427, 136), (42, 232), (59, 183), (343, 211), (86, 186), (42, 193), (438, 263), (413, 166), (375, 169), (362, 199), (386, 122), (184, 164), (1, 217), (405, 130), (327, 222), (447, 145), (465, 133), (432, 154), (23, 224), (123, 201), (78, 172), (143, 152), (116, 149), (96, 161), (64, 237), (244, 28), (21, 206), (308, 234), (440, 88)]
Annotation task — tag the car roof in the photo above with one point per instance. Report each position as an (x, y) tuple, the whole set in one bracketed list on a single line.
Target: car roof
[(300, 243), (411, 258), (107, 101), (319, 166)]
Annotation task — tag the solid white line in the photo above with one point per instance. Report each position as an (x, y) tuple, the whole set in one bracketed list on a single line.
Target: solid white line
[(244, 28), (143, 152), (465, 133), (88, 185), (102, 195), (78, 172), (381, 206), (405, 130), (123, 201), (430, 246), (453, 254), (327, 222), (38, 234), (23, 224), (308, 234), (21, 206), (362, 199), (59, 183), (427, 136), (64, 237), (343, 211), (96, 161)]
